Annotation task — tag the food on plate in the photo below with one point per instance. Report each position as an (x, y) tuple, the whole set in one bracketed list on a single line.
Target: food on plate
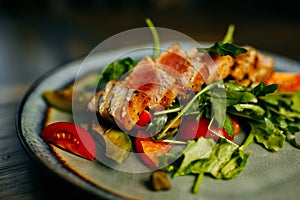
[(287, 82), (64, 98), (200, 127), (61, 99), (175, 74), (70, 137), (117, 144), (149, 150), (160, 181), (198, 99)]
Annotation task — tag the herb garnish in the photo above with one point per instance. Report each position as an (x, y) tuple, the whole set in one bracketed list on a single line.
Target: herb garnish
[(115, 70), (225, 47)]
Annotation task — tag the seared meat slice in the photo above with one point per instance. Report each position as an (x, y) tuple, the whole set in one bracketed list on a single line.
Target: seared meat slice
[(126, 111), (121, 105), (247, 69), (252, 67), (224, 65), (177, 64), (147, 78), (104, 100), (263, 69)]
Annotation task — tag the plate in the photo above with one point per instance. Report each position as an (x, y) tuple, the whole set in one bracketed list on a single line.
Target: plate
[(267, 175)]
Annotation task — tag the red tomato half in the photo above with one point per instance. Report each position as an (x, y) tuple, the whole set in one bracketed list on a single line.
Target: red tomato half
[(193, 129), (148, 149), (72, 138)]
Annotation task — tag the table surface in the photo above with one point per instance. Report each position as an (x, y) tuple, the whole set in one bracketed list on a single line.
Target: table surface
[(32, 45)]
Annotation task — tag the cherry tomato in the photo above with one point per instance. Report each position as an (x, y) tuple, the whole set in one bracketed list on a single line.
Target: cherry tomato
[(145, 118), (236, 126), (193, 129), (287, 82), (72, 138), (148, 149), (223, 132)]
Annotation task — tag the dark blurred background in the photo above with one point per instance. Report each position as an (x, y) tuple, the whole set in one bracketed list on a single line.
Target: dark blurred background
[(38, 35)]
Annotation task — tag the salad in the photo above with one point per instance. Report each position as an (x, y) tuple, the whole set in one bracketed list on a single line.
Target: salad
[(196, 100)]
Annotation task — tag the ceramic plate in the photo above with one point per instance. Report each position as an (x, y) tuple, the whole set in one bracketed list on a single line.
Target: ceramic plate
[(267, 175)]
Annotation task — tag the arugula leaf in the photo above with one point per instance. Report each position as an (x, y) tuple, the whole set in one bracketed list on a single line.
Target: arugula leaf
[(236, 165), (238, 94), (262, 90), (223, 49), (272, 142), (218, 104), (228, 126), (256, 109), (221, 154), (187, 107), (222, 160), (195, 151), (115, 70), (233, 94), (157, 124)]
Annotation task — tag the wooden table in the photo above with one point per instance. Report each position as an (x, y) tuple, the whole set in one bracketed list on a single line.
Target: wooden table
[(20, 176)]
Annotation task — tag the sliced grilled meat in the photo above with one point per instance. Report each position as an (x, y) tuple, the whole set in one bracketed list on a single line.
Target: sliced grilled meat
[(175, 74), (176, 63), (121, 105), (147, 78)]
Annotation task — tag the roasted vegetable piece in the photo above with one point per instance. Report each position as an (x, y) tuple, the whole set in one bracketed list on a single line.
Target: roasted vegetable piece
[(148, 150), (70, 137), (61, 99), (160, 181), (287, 82), (74, 96), (116, 143), (66, 99)]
